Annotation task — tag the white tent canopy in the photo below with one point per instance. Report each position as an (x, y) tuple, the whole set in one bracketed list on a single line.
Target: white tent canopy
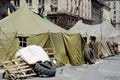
[(81, 28), (105, 30)]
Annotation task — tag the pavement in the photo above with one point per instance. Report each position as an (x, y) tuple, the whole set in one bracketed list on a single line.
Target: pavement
[(103, 69)]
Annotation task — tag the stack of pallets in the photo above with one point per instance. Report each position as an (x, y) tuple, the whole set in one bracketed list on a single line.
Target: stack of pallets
[(17, 69)]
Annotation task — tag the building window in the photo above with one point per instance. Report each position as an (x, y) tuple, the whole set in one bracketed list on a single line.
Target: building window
[(114, 3), (54, 5), (17, 3), (53, 9), (114, 8), (29, 2), (75, 2), (114, 12), (109, 3), (114, 21), (71, 10), (54, 1), (54, 20), (23, 42), (114, 17), (40, 2)]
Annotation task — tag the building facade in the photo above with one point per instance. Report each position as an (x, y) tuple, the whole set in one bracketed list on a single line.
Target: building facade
[(66, 13), (115, 11), (106, 13), (97, 11)]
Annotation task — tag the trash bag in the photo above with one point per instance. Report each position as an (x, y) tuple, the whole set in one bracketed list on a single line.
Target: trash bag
[(47, 68)]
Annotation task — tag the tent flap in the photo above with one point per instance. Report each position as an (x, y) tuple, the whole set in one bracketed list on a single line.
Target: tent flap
[(73, 44)]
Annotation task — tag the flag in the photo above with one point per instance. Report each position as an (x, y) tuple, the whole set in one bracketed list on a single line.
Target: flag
[(9, 9)]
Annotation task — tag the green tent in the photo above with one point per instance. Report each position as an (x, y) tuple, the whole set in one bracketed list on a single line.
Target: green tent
[(26, 23), (38, 31)]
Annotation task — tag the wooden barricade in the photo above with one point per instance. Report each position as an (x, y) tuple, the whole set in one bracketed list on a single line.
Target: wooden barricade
[(17, 69)]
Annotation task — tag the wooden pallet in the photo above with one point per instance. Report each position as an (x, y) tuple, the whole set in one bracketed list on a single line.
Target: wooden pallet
[(17, 69)]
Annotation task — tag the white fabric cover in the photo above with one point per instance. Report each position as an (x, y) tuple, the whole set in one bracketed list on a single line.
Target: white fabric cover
[(32, 54)]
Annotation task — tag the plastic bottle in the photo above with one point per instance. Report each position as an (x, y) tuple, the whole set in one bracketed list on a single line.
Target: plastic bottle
[(61, 70)]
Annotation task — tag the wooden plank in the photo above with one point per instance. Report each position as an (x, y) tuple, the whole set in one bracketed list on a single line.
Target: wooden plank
[(28, 75), (24, 70), (22, 67)]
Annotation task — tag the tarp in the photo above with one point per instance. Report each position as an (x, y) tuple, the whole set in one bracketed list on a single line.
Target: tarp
[(32, 54), (43, 33)]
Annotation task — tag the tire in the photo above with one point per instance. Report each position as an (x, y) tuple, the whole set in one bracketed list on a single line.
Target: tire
[(89, 56)]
